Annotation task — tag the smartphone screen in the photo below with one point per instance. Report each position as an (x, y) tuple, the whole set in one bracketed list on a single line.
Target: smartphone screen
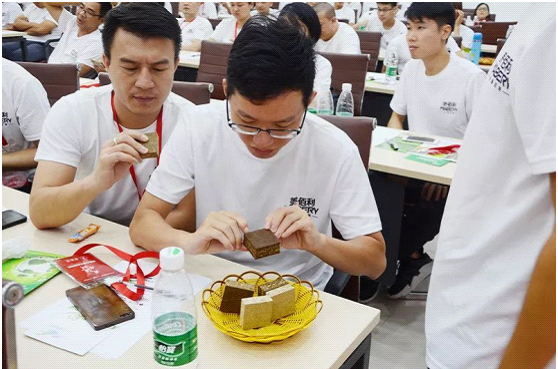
[(11, 218)]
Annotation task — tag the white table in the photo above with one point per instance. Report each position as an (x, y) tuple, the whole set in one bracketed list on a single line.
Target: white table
[(342, 328), (189, 59), (489, 49)]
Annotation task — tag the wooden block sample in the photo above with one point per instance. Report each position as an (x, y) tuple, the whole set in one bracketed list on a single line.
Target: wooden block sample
[(262, 243), (234, 292), (152, 145), (256, 312), (284, 299), (268, 286)]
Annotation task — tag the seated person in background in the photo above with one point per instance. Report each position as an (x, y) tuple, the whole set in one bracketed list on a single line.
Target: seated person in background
[(460, 29), (436, 93), (207, 10), (10, 11), (337, 37), (344, 12), (89, 157), (400, 47), (223, 10), (303, 15), (266, 10), (194, 28), (258, 161), (383, 20), (40, 22), (482, 11), (81, 40), (24, 108), (229, 28)]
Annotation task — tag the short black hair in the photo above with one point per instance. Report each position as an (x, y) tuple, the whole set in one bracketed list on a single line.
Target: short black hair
[(441, 13), (393, 5), (478, 6), (145, 20), (304, 13), (105, 7), (269, 58)]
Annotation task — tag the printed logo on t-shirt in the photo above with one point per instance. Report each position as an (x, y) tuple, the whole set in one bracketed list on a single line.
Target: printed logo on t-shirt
[(307, 204), (6, 120), (449, 107), (500, 76)]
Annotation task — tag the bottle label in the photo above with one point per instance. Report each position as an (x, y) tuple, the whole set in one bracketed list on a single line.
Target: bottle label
[(312, 110), (344, 114), (391, 71), (176, 339)]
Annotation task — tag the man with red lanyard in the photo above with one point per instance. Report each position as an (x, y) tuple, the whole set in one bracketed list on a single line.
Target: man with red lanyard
[(229, 28), (194, 28), (89, 157)]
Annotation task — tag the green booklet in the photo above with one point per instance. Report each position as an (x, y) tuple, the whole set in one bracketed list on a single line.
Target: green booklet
[(32, 270)]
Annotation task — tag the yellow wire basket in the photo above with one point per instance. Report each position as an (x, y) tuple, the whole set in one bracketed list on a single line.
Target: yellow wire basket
[(307, 306)]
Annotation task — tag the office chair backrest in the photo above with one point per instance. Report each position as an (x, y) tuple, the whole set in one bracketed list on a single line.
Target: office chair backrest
[(197, 92), (492, 31), (458, 40), (57, 79), (214, 22), (370, 44), (349, 68), (213, 66)]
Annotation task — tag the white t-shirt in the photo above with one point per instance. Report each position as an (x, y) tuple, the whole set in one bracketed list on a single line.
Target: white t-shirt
[(330, 184), (273, 13), (10, 11), (226, 31), (344, 41), (39, 15), (198, 29), (76, 128), (466, 36), (345, 13), (441, 104), (375, 25), (24, 107), (208, 10), (323, 73), (400, 46), (77, 50), (499, 213)]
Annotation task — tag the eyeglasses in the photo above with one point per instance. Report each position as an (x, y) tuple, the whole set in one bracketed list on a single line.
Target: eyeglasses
[(88, 12), (482, 9), (244, 129), (384, 10)]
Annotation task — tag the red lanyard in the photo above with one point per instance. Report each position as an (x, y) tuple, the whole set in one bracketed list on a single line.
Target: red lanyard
[(235, 28), (159, 130)]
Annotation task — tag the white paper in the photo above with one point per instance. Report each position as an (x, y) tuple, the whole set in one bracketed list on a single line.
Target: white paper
[(62, 326)]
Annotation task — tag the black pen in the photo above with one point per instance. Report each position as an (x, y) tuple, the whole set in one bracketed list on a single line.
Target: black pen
[(139, 286), (393, 146)]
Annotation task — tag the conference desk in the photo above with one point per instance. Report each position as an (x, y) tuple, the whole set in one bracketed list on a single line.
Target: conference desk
[(16, 36), (387, 172), (339, 337)]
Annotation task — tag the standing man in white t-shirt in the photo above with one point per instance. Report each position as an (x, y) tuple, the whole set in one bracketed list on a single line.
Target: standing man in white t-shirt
[(194, 28), (81, 40), (435, 93), (258, 160), (492, 296), (89, 156), (337, 37), (24, 108)]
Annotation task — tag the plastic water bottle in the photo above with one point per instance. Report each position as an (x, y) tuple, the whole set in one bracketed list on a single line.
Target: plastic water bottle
[(476, 21), (476, 48), (325, 102), (174, 313), (391, 63), (345, 105), (468, 21)]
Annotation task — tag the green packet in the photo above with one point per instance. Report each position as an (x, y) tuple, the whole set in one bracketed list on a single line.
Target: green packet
[(32, 270)]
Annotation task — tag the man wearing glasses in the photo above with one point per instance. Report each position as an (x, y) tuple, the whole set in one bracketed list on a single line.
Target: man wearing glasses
[(81, 41), (383, 20), (259, 161)]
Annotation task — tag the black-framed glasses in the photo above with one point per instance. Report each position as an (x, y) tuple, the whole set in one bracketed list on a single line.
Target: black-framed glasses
[(88, 12), (245, 129)]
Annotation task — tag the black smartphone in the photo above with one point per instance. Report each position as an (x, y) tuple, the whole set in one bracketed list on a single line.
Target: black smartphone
[(11, 218), (100, 306)]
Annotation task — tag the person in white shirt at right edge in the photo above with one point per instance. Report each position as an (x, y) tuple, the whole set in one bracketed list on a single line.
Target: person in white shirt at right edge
[(435, 94), (337, 37), (492, 296)]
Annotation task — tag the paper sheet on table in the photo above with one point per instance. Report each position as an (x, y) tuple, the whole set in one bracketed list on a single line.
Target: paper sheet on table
[(62, 326), (127, 335)]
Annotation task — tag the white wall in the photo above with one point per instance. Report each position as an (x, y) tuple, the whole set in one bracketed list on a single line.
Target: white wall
[(505, 11)]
